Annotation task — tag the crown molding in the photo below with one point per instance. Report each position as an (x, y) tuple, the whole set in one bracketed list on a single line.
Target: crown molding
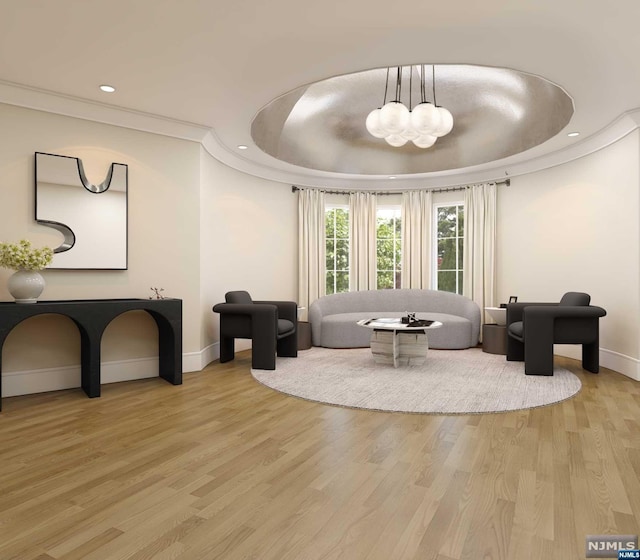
[(42, 100), (50, 102)]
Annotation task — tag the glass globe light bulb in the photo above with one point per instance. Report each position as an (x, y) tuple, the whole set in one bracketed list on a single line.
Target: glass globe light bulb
[(409, 133), (446, 123), (396, 140), (394, 117), (425, 118), (373, 124), (425, 141)]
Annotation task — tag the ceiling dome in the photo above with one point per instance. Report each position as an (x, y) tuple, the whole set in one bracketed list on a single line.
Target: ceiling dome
[(497, 113)]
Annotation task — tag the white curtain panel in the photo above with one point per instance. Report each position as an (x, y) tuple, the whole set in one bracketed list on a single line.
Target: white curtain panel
[(479, 260), (416, 239), (311, 248), (362, 245)]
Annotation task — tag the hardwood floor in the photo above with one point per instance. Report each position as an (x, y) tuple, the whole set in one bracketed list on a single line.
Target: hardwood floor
[(223, 467)]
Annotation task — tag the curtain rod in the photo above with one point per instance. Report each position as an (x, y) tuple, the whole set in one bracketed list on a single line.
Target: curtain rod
[(506, 182)]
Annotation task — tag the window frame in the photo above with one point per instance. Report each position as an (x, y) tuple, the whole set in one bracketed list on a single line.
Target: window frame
[(434, 247), (396, 210), (327, 208)]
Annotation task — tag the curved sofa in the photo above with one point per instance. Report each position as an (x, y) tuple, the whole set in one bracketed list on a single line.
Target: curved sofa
[(333, 318)]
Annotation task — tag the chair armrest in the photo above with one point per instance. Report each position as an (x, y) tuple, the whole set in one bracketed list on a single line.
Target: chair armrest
[(245, 309), (286, 309), (515, 311), (564, 311)]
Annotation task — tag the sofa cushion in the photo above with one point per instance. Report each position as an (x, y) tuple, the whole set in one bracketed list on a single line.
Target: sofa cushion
[(341, 331)]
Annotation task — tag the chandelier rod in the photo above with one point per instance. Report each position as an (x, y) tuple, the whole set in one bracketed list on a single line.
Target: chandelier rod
[(399, 86), (386, 88), (433, 66), (410, 86)]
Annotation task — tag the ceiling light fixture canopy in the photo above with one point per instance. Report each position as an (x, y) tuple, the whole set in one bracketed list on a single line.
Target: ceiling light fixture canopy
[(398, 125)]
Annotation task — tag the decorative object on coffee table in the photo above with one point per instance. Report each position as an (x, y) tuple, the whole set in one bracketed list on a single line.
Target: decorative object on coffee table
[(26, 284)]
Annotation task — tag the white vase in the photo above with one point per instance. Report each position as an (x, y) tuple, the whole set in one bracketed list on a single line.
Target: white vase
[(26, 286)]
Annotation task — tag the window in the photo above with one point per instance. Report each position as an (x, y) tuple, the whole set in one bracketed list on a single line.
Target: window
[(337, 249), (388, 247), (449, 247)]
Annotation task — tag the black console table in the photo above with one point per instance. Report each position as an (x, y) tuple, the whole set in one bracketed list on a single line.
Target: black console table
[(92, 318)]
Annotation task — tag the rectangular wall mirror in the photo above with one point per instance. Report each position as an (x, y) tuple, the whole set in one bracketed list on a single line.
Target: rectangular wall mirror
[(92, 219)]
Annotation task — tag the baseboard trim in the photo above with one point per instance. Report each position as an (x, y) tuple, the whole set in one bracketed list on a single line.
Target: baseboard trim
[(626, 365), (196, 361), (29, 382)]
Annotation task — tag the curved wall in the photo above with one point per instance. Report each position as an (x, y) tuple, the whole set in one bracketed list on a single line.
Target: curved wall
[(575, 227)]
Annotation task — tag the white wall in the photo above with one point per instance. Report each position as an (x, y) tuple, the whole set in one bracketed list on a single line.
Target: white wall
[(164, 245), (197, 228), (249, 241), (575, 227)]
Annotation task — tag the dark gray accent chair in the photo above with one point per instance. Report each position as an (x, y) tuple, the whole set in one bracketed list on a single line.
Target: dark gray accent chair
[(272, 327), (533, 329)]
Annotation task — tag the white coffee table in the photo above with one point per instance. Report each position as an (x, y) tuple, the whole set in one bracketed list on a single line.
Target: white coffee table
[(395, 342)]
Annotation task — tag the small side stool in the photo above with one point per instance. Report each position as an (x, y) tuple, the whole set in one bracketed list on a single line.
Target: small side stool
[(304, 335), (494, 339)]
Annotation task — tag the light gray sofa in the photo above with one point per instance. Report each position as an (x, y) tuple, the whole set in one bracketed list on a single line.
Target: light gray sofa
[(333, 318)]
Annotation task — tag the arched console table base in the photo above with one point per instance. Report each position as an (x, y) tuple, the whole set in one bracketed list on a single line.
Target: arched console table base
[(92, 318)]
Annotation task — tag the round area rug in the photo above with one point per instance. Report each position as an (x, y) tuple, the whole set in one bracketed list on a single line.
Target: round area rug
[(449, 382)]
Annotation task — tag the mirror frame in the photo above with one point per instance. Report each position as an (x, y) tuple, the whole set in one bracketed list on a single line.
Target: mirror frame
[(69, 237)]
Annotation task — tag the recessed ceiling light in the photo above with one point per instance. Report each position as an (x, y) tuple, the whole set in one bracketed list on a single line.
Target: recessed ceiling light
[(242, 147), (107, 88), (573, 134), (392, 177)]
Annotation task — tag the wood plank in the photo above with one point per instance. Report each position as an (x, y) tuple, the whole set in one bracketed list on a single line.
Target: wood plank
[(223, 467)]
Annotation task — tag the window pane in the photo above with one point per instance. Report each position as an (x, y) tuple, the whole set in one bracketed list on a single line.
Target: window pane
[(342, 255), (342, 223), (329, 284), (330, 254), (328, 223), (398, 254), (398, 279), (461, 221), (385, 228), (460, 279), (460, 253), (385, 279), (447, 221), (385, 254), (342, 282), (388, 246), (447, 281), (447, 254)]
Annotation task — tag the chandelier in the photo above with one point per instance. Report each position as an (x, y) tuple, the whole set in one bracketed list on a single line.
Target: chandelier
[(422, 125)]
